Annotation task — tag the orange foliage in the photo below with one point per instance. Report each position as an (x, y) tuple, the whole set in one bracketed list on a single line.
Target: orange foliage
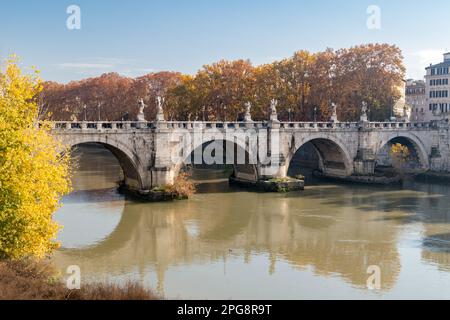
[(108, 97), (183, 187), (302, 83)]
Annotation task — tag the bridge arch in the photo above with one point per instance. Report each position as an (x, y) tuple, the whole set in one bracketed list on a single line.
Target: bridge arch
[(333, 155), (237, 150), (128, 160), (411, 141)]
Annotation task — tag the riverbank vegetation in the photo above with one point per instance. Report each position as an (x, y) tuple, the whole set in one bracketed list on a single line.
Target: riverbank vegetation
[(182, 188), (33, 280), (305, 84)]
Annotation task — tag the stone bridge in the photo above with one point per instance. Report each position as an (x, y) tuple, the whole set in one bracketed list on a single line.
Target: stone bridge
[(152, 154)]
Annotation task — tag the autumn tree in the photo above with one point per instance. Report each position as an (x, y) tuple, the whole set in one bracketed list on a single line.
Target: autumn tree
[(149, 87), (323, 81), (400, 155), (268, 85), (183, 101), (34, 169), (223, 88), (108, 97), (304, 84), (372, 73)]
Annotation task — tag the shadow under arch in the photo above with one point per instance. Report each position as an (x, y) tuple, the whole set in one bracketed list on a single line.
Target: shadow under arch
[(127, 161), (231, 153), (418, 154), (328, 155)]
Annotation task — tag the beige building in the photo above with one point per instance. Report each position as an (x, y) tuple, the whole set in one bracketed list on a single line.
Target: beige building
[(400, 109), (437, 90), (416, 100)]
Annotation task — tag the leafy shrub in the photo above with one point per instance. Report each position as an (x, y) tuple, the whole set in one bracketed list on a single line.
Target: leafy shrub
[(183, 186)]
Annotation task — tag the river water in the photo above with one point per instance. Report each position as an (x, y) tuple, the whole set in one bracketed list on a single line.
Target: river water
[(228, 243)]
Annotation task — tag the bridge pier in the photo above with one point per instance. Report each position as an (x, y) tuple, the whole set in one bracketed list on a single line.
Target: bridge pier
[(162, 176), (364, 163), (436, 159)]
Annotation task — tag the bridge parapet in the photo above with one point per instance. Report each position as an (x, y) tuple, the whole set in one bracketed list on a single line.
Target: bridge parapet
[(99, 125), (135, 125), (400, 125)]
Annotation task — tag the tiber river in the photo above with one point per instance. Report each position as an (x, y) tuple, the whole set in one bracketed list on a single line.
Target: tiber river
[(228, 243)]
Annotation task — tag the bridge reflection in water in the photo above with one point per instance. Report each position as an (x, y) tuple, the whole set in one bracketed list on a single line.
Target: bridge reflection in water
[(238, 244)]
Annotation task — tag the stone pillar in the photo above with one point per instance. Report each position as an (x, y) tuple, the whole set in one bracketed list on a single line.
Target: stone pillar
[(436, 163), (276, 168), (162, 167), (162, 176), (364, 163)]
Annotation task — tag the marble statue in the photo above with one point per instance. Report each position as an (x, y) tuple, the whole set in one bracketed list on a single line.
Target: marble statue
[(334, 117), (248, 114), (273, 110), (141, 115), (364, 110), (159, 109)]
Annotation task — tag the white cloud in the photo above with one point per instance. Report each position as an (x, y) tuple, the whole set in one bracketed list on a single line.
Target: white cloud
[(95, 66), (71, 65), (145, 70), (417, 61), (99, 65), (429, 56)]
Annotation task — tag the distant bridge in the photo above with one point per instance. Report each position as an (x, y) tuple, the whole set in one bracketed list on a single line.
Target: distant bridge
[(151, 154)]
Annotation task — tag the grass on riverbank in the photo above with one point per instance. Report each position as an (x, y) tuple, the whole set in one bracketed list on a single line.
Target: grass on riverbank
[(29, 280)]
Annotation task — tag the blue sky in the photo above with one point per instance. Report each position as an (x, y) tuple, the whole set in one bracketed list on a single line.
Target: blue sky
[(135, 37)]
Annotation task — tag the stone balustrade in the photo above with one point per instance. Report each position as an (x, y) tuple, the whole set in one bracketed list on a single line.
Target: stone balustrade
[(135, 125)]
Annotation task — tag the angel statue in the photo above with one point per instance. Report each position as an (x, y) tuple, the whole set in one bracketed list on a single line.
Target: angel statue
[(273, 110), (141, 115), (159, 109), (364, 110), (248, 115)]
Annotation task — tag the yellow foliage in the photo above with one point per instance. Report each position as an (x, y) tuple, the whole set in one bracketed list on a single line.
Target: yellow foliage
[(400, 155), (34, 169)]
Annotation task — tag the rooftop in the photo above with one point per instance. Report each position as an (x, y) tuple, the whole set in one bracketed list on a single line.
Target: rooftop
[(444, 64), (440, 65)]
